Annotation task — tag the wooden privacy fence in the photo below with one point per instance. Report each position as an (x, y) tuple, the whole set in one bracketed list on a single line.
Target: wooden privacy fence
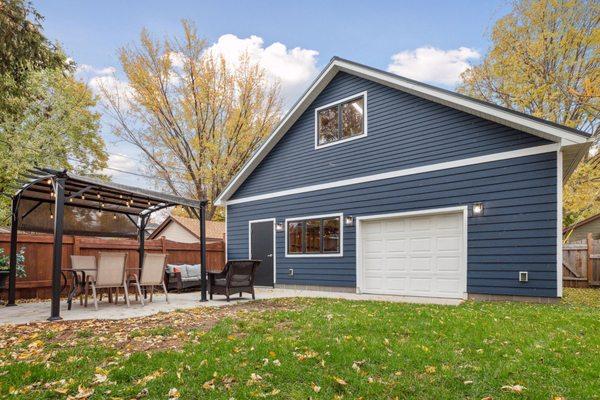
[(38, 256), (581, 263)]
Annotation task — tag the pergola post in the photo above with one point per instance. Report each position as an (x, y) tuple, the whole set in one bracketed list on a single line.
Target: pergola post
[(203, 251), (14, 228), (59, 208), (143, 221)]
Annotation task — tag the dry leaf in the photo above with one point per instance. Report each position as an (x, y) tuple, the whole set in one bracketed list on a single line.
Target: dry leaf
[(316, 388), (514, 388), (430, 369), (340, 381), (209, 385), (174, 393)]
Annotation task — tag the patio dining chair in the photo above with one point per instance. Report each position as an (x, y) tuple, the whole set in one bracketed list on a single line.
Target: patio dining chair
[(82, 267), (110, 274), (153, 274)]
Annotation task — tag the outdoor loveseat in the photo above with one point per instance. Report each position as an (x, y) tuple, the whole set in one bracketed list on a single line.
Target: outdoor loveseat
[(181, 277)]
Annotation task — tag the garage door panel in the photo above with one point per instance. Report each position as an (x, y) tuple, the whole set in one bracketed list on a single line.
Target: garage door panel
[(449, 285), (374, 246), (417, 224), (448, 264), (448, 243), (372, 228), (420, 244), (420, 285), (414, 256), (396, 245), (395, 226)]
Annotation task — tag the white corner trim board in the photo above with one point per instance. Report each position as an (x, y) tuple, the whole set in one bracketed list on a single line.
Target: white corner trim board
[(547, 148), (559, 218)]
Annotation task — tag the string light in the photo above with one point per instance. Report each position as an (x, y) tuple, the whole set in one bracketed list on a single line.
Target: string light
[(114, 216), (83, 197), (51, 216), (49, 181)]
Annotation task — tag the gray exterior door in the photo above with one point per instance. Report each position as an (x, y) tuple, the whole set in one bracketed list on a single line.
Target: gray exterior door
[(261, 248)]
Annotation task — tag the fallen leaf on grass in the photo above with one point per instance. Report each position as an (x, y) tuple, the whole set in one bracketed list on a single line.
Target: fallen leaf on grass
[(150, 377), (277, 363), (142, 393), (340, 381), (174, 393), (316, 388), (99, 378), (82, 394), (514, 388), (209, 385), (430, 369)]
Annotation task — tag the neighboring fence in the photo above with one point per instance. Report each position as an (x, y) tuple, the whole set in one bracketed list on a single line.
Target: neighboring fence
[(38, 256), (581, 263)]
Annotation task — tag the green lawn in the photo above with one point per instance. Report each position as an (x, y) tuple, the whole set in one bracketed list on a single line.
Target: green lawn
[(316, 348)]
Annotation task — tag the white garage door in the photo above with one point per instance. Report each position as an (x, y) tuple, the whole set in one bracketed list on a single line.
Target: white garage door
[(414, 256)]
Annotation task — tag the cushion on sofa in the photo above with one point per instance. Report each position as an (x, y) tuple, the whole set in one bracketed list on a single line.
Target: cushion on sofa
[(193, 271)]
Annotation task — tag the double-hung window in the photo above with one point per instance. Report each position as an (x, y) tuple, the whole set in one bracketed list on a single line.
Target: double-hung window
[(341, 121), (317, 236)]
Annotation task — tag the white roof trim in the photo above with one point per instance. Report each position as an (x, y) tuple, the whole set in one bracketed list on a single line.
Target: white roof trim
[(553, 132)]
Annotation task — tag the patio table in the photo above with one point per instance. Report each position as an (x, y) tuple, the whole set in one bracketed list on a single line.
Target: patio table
[(78, 285)]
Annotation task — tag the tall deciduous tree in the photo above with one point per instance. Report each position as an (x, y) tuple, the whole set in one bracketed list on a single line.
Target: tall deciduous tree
[(545, 61), (195, 116), (47, 117)]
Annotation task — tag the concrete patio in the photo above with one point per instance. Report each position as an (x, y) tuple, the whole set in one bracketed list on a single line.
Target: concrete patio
[(38, 311)]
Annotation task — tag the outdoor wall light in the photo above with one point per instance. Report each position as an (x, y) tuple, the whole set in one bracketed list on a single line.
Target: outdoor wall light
[(477, 209), (349, 220), (279, 227)]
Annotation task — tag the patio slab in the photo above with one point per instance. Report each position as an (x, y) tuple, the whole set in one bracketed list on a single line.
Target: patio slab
[(39, 311)]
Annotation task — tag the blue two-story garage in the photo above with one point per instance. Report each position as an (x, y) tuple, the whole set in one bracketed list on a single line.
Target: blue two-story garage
[(380, 184)]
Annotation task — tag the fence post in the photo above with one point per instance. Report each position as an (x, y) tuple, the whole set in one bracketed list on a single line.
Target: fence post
[(76, 245), (163, 244), (590, 261)]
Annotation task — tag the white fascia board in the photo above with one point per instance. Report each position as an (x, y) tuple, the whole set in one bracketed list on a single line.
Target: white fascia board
[(521, 122), (286, 123), (507, 118)]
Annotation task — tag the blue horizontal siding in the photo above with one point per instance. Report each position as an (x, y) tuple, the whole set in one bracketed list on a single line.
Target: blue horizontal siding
[(404, 131), (517, 232)]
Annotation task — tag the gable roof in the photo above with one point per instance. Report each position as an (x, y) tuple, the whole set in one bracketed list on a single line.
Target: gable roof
[(214, 229), (548, 130), (581, 223)]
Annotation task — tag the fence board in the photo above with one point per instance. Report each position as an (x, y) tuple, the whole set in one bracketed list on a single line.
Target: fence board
[(581, 263), (38, 256)]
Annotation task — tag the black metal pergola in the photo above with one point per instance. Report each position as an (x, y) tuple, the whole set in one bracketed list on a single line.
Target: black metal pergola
[(43, 196)]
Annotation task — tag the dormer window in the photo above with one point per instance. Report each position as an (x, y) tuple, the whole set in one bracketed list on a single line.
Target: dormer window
[(341, 121)]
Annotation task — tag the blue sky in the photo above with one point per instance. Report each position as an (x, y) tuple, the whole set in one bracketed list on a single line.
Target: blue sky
[(426, 40)]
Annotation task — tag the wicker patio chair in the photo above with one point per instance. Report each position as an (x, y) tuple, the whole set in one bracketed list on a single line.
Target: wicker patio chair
[(236, 277)]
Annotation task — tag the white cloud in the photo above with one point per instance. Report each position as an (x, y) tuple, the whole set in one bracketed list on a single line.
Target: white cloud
[(120, 162), (293, 68), (428, 64)]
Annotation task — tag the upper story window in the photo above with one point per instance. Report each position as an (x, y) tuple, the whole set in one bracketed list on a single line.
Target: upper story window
[(314, 236), (341, 121)]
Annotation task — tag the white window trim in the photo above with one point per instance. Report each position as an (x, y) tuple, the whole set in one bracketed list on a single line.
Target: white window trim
[(274, 242), (335, 103), (340, 254), (433, 211)]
